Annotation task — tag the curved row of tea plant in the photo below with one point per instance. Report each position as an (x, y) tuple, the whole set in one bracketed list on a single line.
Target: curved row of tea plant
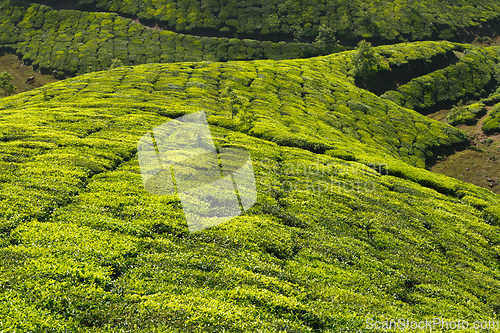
[(401, 54), (329, 243), (471, 76), (72, 41), (491, 124), (353, 20), (384, 68)]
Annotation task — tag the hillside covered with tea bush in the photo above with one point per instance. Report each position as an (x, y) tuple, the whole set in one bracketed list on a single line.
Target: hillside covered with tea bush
[(73, 41), (351, 20), (348, 224), (81, 36)]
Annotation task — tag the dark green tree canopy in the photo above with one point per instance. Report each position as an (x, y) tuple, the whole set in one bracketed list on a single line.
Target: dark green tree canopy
[(365, 61), (6, 83)]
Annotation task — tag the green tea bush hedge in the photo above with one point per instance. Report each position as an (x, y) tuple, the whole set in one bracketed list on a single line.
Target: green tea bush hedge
[(469, 76), (400, 54), (491, 124), (305, 20), (79, 42), (466, 115)]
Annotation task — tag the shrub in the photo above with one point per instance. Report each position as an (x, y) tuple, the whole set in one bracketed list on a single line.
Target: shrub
[(326, 41), (115, 63), (272, 50), (236, 50), (491, 215), (366, 63), (491, 124), (466, 114), (6, 83)]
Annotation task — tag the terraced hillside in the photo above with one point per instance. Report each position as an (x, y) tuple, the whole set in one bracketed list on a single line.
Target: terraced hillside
[(72, 41), (70, 37), (348, 226), (351, 20)]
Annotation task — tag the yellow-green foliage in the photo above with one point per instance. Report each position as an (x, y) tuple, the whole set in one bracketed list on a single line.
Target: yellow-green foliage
[(400, 54), (466, 114), (366, 62), (347, 225)]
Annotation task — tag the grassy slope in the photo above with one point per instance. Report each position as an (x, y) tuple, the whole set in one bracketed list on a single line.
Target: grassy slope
[(86, 248), (11, 64), (477, 165)]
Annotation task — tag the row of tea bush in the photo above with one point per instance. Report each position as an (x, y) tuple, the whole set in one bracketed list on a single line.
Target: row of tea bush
[(72, 41), (470, 77), (384, 20)]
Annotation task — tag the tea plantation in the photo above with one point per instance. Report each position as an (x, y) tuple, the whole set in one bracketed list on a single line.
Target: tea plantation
[(91, 34), (352, 20), (348, 224), (71, 41)]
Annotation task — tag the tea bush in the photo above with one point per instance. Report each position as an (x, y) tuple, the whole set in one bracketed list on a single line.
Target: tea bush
[(469, 76), (467, 114), (400, 54), (491, 124)]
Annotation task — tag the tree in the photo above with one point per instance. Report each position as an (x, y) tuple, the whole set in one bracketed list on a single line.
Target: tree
[(297, 32), (115, 63), (365, 62), (6, 83), (326, 39)]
